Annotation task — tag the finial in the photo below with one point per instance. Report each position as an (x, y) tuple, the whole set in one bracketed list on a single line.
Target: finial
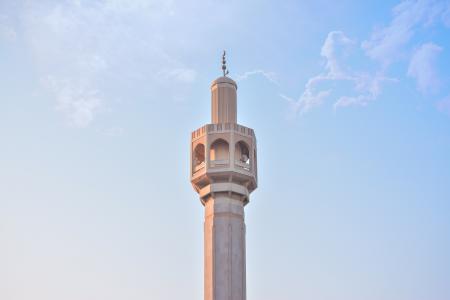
[(224, 66)]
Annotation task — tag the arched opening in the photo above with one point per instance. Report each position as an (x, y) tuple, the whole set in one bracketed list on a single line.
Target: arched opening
[(242, 155), (219, 153), (198, 159)]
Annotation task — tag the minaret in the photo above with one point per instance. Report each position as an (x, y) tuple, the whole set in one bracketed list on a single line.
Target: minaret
[(224, 173)]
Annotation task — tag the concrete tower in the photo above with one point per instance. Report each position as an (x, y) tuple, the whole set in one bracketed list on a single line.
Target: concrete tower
[(224, 173)]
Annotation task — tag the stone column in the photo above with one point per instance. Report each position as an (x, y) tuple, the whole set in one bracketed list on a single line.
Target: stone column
[(224, 230)]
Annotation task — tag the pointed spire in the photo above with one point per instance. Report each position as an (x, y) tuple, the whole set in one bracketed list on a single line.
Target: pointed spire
[(224, 65)]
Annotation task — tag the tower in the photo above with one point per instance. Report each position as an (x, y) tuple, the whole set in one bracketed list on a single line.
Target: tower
[(224, 173)]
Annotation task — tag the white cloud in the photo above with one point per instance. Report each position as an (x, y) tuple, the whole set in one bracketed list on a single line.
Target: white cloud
[(335, 46), (312, 97), (270, 76), (444, 105), (85, 46), (364, 87), (386, 44), (78, 101), (307, 101), (370, 87), (422, 67)]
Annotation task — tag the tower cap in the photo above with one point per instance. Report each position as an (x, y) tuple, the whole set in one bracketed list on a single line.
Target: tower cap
[(224, 79)]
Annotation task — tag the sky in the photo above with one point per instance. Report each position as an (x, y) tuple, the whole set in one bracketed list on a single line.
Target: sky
[(350, 103)]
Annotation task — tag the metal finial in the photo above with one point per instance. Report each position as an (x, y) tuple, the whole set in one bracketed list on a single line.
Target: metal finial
[(224, 64)]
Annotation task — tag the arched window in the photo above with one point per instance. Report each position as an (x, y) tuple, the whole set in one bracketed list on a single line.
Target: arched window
[(219, 151), (198, 160), (242, 154)]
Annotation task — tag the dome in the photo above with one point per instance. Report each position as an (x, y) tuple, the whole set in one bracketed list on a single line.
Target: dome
[(224, 79)]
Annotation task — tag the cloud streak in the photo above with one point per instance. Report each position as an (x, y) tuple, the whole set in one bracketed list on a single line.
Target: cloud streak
[(78, 101), (364, 87), (83, 49), (422, 67), (270, 76)]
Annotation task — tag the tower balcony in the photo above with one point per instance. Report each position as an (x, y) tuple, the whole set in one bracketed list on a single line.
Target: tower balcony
[(224, 153)]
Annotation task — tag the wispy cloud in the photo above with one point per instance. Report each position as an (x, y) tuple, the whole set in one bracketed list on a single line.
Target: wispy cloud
[(387, 44), (336, 45), (78, 101), (422, 67), (364, 87), (369, 88), (270, 76), (86, 46)]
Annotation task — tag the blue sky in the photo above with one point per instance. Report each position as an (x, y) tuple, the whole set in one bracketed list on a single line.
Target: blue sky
[(350, 103)]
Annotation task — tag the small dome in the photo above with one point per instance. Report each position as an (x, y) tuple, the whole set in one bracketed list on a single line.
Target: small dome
[(224, 79)]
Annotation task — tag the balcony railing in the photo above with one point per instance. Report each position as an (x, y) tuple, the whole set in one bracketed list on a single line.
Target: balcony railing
[(223, 127), (219, 163), (199, 166), (242, 165)]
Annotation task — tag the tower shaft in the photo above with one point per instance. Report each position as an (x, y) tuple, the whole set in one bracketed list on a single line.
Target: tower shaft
[(224, 230)]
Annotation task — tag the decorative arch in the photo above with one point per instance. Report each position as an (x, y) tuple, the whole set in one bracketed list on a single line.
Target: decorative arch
[(219, 150), (242, 152), (198, 155)]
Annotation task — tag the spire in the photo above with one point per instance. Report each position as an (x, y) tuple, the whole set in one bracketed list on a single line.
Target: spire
[(224, 64), (223, 97)]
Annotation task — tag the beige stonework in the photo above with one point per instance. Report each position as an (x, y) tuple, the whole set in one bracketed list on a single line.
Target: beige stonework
[(223, 101), (224, 173)]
